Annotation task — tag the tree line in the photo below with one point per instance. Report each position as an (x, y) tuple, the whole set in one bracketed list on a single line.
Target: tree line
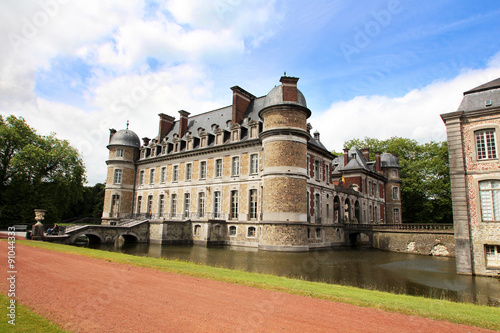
[(43, 172)]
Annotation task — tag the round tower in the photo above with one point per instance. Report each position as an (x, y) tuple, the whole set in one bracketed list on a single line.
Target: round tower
[(284, 177), (118, 197)]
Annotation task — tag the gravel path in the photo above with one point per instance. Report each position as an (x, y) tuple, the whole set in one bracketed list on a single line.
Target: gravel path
[(90, 295)]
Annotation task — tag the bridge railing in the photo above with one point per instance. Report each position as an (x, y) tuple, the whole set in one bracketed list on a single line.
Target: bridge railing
[(415, 227)]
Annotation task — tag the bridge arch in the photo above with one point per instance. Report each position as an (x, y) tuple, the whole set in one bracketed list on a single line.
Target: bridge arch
[(129, 237), (94, 238)]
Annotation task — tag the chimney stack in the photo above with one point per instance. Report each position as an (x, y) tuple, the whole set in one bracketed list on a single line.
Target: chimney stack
[(378, 162), (112, 132), (241, 101), (183, 122), (166, 124), (289, 88), (366, 153), (346, 156)]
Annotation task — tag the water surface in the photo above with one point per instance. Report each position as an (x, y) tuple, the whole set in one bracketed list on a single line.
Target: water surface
[(360, 267)]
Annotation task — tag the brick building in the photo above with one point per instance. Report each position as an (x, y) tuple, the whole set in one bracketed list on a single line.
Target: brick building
[(249, 174), (475, 179)]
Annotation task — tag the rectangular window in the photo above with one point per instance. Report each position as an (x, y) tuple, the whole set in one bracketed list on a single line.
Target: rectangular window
[(492, 255), (318, 233), (235, 166), (150, 204), (161, 209), (253, 204), (119, 153), (317, 208), (307, 166), (327, 174), (254, 163), (187, 203), (316, 170), (173, 205), (396, 216), (394, 173), (141, 177), (218, 168), (203, 170), (232, 231), (327, 211), (485, 144), (234, 205), (163, 174), (201, 204), (152, 176), (217, 204), (189, 171), (395, 193), (490, 200), (175, 173), (118, 176), (139, 203)]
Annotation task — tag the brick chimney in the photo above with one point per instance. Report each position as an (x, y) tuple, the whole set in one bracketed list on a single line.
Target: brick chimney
[(378, 163), (366, 153), (183, 122), (346, 156), (112, 132), (289, 88), (241, 101), (166, 124)]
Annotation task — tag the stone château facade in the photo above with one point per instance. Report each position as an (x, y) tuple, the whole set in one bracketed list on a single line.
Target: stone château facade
[(249, 174), (475, 179)]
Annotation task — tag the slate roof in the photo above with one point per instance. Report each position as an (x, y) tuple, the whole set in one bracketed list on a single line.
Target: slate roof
[(475, 99), (125, 137)]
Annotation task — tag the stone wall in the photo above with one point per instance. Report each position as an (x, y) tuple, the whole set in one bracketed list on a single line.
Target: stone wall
[(437, 244)]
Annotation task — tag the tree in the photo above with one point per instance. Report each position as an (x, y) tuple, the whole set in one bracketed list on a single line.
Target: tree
[(36, 172), (425, 189)]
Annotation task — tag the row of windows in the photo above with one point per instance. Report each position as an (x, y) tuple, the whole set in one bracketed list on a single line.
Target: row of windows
[(201, 207), (231, 231), (235, 170)]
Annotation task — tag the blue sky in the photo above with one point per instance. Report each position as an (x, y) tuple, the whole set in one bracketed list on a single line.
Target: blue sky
[(367, 68)]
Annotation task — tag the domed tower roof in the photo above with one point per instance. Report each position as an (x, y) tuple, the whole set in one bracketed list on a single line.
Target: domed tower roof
[(275, 97), (125, 137), (389, 161)]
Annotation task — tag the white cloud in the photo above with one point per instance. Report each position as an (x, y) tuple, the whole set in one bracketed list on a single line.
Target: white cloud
[(415, 115)]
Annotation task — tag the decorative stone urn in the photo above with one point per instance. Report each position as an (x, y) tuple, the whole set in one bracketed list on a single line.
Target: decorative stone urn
[(37, 229)]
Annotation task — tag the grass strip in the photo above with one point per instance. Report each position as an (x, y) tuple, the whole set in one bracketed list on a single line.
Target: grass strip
[(26, 320), (461, 313)]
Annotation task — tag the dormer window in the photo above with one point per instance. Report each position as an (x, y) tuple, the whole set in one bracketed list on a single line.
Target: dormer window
[(235, 135)]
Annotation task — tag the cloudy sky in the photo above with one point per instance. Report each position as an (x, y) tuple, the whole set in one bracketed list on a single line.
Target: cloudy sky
[(367, 68)]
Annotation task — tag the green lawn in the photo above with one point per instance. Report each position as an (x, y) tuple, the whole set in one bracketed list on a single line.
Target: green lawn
[(25, 320), (463, 313)]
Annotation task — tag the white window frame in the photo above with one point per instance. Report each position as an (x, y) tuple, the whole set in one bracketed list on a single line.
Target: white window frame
[(235, 166), (118, 176), (218, 168), (396, 215), (233, 211), (489, 199), (203, 169), (254, 232), (175, 173), (163, 174), (187, 205), (120, 153), (217, 204), (485, 142), (141, 177), (151, 176), (492, 255), (253, 204), (395, 193), (232, 227), (201, 204), (189, 171), (254, 164)]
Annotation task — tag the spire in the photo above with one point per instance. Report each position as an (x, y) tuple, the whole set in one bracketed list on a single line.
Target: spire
[(127, 124)]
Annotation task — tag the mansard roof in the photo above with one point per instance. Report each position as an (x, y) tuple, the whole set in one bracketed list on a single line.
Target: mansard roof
[(476, 98)]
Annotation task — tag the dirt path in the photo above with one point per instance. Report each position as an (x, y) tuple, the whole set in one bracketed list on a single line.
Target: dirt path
[(89, 295)]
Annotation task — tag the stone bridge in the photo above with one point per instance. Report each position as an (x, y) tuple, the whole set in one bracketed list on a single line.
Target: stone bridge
[(131, 231), (427, 239)]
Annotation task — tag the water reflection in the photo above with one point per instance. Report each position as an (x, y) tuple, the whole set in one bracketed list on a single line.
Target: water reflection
[(360, 267)]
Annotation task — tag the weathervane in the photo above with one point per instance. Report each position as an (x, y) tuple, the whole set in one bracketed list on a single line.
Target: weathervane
[(127, 124)]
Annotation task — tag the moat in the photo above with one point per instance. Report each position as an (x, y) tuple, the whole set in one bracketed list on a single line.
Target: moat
[(362, 267)]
